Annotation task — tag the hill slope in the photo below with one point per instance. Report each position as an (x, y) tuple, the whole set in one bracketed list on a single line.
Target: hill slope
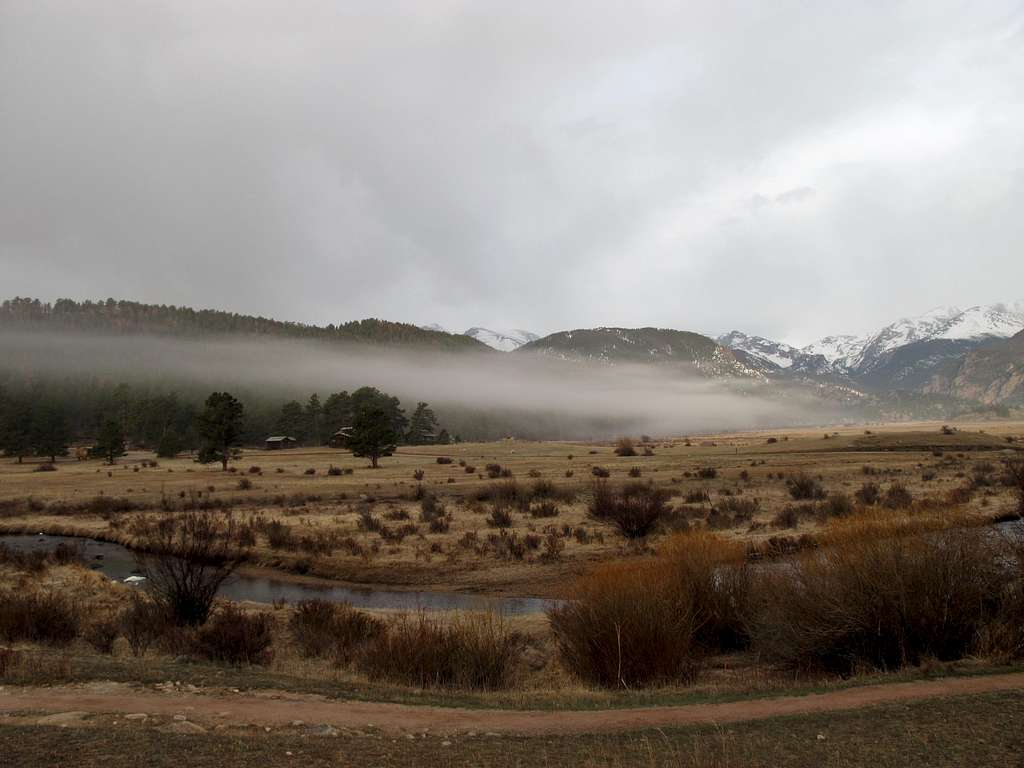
[(129, 317), (641, 345), (992, 373)]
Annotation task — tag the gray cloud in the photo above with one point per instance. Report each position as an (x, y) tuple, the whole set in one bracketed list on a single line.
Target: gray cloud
[(530, 165)]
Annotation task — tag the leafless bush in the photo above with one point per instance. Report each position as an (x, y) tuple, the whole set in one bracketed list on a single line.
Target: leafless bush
[(186, 559), (635, 509), (142, 623)]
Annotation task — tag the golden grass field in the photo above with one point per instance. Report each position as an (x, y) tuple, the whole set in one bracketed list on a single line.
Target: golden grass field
[(277, 485), (952, 477)]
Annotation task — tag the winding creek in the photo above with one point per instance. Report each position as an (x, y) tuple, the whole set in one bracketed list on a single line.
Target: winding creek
[(118, 563)]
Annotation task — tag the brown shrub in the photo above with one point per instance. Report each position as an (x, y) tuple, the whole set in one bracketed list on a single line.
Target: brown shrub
[(897, 496), (471, 652), (235, 637), (715, 573), (803, 487), (624, 446), (787, 517), (142, 624), (635, 509), (102, 634), (38, 617), (625, 624), (869, 494), (322, 628), (1014, 478), (879, 596)]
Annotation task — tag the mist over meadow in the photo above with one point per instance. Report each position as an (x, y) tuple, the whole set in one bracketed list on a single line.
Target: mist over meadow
[(484, 395)]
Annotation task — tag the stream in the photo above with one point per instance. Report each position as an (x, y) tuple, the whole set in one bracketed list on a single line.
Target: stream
[(118, 563)]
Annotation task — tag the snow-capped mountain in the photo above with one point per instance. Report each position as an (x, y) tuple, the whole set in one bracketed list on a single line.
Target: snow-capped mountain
[(995, 321), (765, 350), (907, 354), (837, 351), (504, 340)]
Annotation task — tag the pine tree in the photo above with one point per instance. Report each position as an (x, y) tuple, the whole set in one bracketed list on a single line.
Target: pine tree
[(111, 442), (220, 428), (337, 411), (50, 434), (372, 436), (169, 445), (422, 426), (16, 427), (292, 421), (314, 412), (369, 398)]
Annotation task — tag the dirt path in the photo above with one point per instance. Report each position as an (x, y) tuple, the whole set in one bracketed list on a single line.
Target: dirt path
[(277, 709)]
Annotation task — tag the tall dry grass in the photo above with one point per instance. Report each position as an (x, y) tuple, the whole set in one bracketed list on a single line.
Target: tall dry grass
[(881, 594), (651, 621), (477, 652)]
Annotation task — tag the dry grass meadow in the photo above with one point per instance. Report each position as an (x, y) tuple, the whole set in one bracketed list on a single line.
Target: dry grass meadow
[(675, 617), (357, 524)]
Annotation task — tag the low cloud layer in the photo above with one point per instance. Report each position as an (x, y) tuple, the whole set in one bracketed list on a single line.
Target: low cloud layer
[(788, 168), (550, 397)]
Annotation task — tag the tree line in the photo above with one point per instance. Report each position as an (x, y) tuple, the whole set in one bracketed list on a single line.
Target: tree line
[(44, 419), (132, 317)]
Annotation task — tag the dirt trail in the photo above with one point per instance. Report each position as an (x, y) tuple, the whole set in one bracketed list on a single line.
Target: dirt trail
[(278, 708)]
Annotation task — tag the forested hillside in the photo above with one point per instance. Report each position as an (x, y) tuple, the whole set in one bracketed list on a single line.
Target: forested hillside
[(130, 317)]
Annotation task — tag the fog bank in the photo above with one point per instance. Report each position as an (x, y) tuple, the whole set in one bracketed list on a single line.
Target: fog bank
[(548, 397)]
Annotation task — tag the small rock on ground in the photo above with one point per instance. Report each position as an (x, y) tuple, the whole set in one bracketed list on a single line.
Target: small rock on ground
[(184, 727), (63, 719)]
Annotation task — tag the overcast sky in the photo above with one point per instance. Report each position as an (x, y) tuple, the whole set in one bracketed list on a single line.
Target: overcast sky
[(787, 168)]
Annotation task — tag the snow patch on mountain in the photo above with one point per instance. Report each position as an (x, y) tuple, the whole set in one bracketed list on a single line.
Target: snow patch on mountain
[(836, 349), (774, 352), (847, 354), (504, 340), (952, 323)]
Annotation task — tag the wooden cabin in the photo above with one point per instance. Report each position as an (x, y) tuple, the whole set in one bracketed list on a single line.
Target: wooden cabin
[(340, 438), (280, 442)]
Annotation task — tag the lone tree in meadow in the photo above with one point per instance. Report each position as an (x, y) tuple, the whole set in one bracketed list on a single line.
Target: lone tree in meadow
[(111, 442), (372, 436), (220, 428)]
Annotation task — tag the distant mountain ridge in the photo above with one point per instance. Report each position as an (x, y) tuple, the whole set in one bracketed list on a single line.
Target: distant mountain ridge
[(915, 353), (503, 340), (130, 317), (641, 345), (948, 359)]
